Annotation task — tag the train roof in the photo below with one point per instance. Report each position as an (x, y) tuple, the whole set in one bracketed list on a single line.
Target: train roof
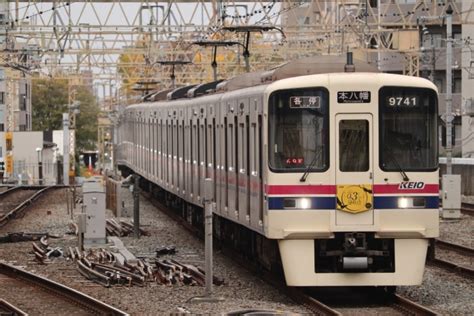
[(300, 67), (314, 66)]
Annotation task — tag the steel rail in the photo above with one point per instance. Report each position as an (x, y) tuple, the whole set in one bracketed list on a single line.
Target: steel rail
[(10, 309), (455, 247), (464, 271), (79, 298), (448, 265), (411, 306), (5, 218), (297, 294), (10, 190), (467, 208), (315, 306)]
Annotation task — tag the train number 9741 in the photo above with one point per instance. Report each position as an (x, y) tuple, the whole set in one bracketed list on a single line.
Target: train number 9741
[(402, 101)]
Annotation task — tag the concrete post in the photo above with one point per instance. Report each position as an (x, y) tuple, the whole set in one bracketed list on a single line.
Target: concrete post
[(66, 148), (449, 88), (208, 200), (208, 234), (136, 206)]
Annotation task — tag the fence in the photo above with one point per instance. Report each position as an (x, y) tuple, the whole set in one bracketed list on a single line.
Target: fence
[(28, 173)]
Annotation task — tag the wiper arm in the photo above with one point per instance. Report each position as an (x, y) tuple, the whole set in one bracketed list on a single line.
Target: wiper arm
[(395, 161), (308, 168)]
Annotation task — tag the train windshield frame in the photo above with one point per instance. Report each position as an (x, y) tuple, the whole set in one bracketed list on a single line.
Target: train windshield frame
[(298, 130), (408, 122)]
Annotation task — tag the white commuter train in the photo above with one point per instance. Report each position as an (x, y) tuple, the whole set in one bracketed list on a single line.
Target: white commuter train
[(339, 169)]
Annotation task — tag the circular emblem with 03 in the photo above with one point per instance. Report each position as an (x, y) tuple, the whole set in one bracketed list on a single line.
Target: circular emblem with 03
[(354, 198)]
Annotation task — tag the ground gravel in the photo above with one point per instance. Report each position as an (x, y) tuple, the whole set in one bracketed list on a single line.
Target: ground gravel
[(443, 291), (240, 291), (459, 231)]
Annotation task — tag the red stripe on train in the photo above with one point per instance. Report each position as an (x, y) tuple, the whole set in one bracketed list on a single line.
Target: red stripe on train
[(301, 189), (331, 189), (395, 188)]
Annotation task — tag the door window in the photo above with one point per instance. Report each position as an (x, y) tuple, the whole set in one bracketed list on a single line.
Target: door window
[(354, 145)]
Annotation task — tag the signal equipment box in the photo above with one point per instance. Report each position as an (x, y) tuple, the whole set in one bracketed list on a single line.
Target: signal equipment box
[(451, 196), (94, 207)]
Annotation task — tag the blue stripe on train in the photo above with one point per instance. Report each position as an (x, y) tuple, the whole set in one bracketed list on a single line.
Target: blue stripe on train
[(317, 203), (391, 202), (325, 203)]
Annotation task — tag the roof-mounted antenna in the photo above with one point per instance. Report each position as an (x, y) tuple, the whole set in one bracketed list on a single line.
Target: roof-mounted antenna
[(349, 66)]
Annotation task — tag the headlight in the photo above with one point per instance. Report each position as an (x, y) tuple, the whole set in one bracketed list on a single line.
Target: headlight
[(403, 203), (297, 203), (411, 202), (305, 203)]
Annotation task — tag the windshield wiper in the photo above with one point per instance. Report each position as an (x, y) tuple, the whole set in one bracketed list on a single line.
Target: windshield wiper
[(308, 168), (395, 162)]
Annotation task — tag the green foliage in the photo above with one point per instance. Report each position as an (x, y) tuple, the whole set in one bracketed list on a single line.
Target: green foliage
[(49, 101), (86, 120)]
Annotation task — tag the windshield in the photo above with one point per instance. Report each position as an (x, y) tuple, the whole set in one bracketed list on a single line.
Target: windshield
[(408, 129), (298, 130)]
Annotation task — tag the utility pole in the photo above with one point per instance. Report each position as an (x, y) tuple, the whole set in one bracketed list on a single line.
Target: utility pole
[(136, 206), (449, 88), (451, 183), (209, 205), (66, 148)]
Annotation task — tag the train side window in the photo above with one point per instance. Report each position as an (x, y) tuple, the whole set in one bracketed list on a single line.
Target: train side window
[(205, 149), (213, 128), (236, 162), (152, 145), (167, 150), (231, 146), (160, 142), (260, 163), (192, 154), (247, 145), (242, 148), (354, 145), (183, 150), (214, 152), (226, 164)]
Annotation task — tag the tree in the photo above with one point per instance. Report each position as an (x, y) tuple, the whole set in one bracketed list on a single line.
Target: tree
[(86, 120), (49, 102)]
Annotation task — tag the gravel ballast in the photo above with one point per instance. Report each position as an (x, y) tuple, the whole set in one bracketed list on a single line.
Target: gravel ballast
[(240, 291), (443, 291)]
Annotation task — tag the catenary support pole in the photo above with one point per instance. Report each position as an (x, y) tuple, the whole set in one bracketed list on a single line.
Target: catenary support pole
[(449, 89), (208, 200), (208, 235), (66, 148), (136, 206)]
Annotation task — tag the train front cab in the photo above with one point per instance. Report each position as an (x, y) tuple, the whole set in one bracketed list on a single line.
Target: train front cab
[(356, 204)]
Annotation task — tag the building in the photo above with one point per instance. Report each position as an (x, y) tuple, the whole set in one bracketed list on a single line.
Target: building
[(400, 36), (37, 149)]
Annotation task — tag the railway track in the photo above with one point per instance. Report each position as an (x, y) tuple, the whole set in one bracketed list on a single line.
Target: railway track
[(367, 301), (409, 307), (36, 295), (15, 200), (467, 208), (7, 308), (300, 295), (460, 258)]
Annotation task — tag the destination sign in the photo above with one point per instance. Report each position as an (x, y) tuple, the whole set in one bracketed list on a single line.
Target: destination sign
[(305, 102), (353, 97)]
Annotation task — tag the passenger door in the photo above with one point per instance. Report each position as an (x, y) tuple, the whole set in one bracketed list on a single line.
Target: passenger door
[(354, 170)]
